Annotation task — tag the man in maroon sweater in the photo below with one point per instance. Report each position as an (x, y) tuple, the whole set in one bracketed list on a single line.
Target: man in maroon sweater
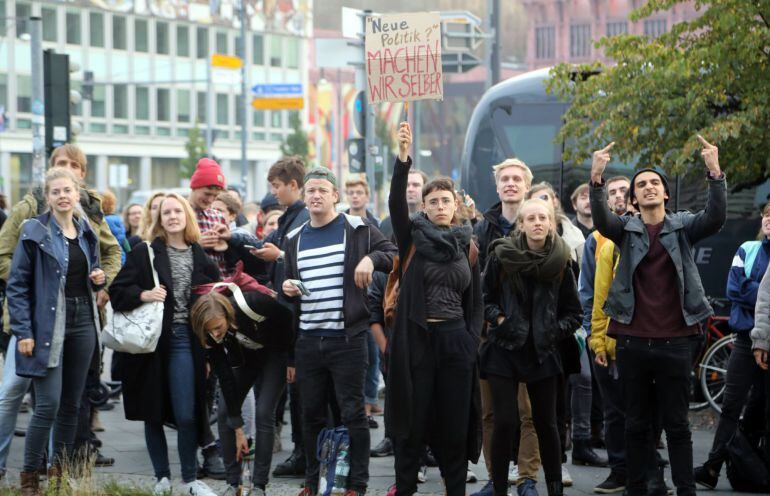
[(656, 302)]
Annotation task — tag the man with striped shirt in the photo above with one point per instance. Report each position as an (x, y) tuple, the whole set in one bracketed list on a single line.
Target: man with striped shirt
[(333, 256)]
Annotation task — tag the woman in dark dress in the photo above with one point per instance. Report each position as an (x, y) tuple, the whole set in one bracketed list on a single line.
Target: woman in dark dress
[(531, 303), (432, 389)]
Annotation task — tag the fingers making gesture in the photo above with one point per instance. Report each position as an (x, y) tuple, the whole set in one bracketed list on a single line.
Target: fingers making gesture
[(599, 162), (710, 154)]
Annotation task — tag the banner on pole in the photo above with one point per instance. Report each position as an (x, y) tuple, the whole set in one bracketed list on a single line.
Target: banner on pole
[(403, 57)]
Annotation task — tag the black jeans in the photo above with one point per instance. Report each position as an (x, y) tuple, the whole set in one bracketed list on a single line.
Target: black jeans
[(267, 370), (342, 360), (442, 388), (611, 389), (742, 374), (656, 378), (543, 396)]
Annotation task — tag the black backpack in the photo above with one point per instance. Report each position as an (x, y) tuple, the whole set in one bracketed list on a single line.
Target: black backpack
[(747, 468)]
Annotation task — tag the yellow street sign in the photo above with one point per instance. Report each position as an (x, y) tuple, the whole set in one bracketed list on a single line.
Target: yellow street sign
[(293, 103), (226, 61)]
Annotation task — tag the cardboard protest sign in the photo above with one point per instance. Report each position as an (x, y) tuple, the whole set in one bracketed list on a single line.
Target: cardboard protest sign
[(403, 57)]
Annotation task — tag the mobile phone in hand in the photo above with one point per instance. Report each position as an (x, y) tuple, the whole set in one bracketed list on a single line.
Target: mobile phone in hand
[(299, 285)]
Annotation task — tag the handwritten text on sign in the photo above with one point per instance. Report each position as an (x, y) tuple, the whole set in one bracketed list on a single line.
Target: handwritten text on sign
[(403, 57)]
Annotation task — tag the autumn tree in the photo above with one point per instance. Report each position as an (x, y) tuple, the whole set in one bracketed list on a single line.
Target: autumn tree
[(708, 76)]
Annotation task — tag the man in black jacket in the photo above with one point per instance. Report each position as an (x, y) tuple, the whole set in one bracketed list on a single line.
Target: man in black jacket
[(329, 265), (656, 302)]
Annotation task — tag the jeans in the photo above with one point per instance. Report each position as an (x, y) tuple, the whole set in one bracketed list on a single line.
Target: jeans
[(442, 385), (372, 372), (614, 415), (580, 400), (12, 393), (181, 388), (656, 379), (742, 374), (343, 361), (58, 394), (542, 396), (268, 370)]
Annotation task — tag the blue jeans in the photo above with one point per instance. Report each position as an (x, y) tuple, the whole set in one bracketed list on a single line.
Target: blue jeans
[(372, 383), (12, 393), (181, 388), (58, 394)]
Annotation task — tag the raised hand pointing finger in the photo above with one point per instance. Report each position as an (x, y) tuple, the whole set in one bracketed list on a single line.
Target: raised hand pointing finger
[(705, 143)]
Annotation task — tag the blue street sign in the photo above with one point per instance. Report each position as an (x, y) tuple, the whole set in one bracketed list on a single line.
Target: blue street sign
[(276, 89)]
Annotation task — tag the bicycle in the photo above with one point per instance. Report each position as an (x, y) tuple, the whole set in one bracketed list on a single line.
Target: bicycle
[(710, 368)]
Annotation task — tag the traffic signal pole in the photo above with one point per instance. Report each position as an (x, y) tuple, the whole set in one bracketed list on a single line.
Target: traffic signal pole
[(38, 100)]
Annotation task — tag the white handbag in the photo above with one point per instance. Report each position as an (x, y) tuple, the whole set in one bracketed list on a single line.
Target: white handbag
[(138, 330)]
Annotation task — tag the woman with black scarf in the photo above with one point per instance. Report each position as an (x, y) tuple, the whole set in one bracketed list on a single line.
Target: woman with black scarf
[(531, 303), (433, 383)]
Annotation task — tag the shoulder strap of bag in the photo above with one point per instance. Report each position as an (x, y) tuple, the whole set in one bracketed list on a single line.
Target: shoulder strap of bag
[(407, 260), (151, 253), (240, 300)]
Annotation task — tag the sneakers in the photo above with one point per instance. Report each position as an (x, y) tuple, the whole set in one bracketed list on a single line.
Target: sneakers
[(705, 478), (615, 483), (513, 473), (213, 468), (197, 488), (470, 477), (391, 491), (372, 423), (487, 490), (566, 478), (422, 474), (385, 448), (528, 487), (162, 487)]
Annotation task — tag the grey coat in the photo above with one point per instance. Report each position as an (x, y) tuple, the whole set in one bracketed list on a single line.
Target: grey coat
[(681, 230), (760, 335)]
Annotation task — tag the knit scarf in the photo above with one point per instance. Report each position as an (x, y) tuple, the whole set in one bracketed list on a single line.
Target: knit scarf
[(437, 243), (519, 260)]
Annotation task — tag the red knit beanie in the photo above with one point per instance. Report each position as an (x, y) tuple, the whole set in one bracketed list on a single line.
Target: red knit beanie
[(207, 173)]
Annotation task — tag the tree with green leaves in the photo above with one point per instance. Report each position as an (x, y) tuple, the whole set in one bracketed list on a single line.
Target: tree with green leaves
[(708, 76), (296, 143), (196, 149)]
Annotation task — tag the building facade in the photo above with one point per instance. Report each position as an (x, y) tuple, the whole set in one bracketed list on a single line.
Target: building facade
[(149, 63), (565, 30)]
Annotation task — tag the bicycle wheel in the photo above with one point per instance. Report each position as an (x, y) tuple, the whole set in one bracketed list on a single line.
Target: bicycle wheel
[(713, 371)]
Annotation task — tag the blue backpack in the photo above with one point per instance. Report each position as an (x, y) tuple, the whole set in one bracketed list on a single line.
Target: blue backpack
[(333, 453)]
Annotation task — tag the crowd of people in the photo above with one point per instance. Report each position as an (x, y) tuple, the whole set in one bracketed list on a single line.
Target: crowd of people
[(517, 333)]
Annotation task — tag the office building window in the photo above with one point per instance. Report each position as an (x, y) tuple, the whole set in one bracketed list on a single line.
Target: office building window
[(200, 98), (142, 103), (183, 41), (292, 53), (24, 94), (98, 101), (23, 12), (141, 40), (655, 27), (73, 28), (161, 37), (580, 40), (163, 104), (77, 86), (258, 118), (120, 101), (223, 110), (617, 27), (222, 42), (49, 24), (545, 42), (257, 49), (119, 32), (202, 43), (3, 86), (96, 25), (183, 105), (276, 121), (276, 50), (2, 14)]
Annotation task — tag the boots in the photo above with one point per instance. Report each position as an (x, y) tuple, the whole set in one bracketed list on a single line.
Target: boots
[(555, 488), (54, 477), (29, 484), (582, 454)]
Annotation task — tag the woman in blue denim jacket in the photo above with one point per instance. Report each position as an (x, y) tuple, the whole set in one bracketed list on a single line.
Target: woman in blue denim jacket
[(55, 325)]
